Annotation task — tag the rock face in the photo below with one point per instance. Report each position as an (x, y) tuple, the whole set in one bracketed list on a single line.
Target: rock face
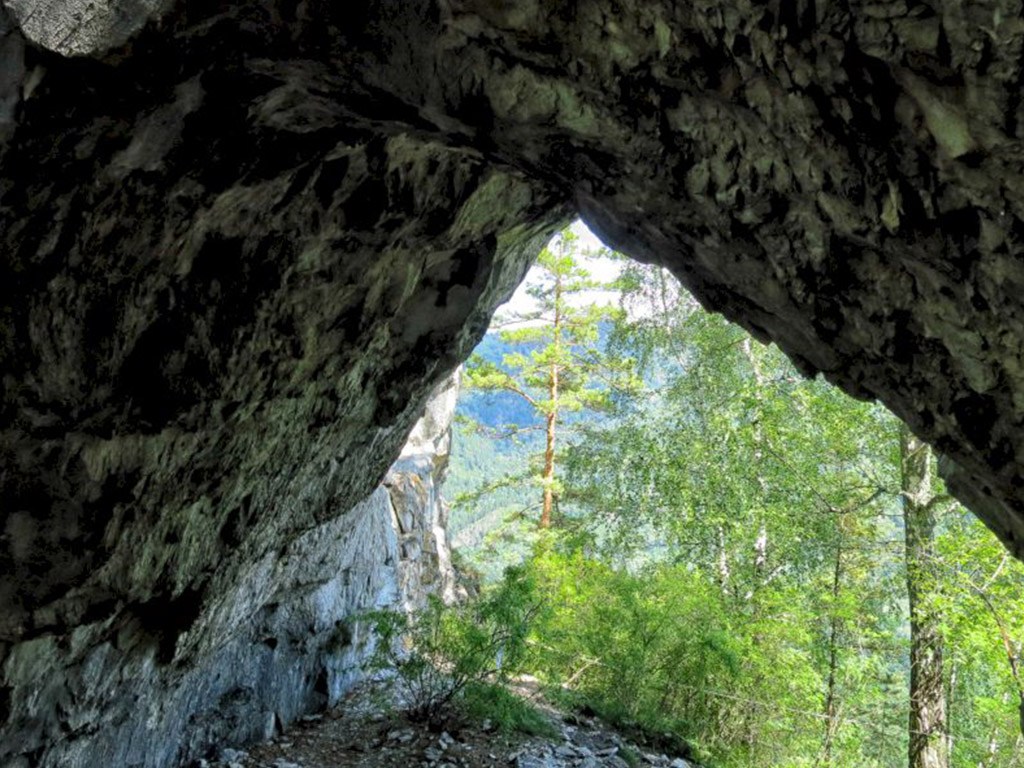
[(420, 514), (277, 645), (242, 240)]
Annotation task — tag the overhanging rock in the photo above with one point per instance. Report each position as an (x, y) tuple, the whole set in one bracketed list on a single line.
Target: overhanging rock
[(242, 241)]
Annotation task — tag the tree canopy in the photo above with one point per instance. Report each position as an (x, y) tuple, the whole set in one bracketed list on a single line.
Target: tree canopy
[(756, 563)]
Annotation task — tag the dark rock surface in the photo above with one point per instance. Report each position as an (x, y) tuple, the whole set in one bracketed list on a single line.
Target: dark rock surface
[(242, 240)]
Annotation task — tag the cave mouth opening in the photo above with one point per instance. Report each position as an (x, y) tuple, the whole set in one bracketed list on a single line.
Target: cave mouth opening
[(703, 518)]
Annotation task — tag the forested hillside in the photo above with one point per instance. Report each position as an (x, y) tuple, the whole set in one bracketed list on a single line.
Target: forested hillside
[(493, 444)]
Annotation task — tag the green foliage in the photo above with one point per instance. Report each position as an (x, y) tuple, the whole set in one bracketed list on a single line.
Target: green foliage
[(727, 440), (980, 600), (505, 710), (664, 651), (735, 572), (630, 756), (438, 653)]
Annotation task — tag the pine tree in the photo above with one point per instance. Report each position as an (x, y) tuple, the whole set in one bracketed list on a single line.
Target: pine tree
[(558, 366)]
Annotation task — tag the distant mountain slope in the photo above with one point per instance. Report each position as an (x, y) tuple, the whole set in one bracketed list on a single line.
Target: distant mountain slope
[(480, 459), (496, 409)]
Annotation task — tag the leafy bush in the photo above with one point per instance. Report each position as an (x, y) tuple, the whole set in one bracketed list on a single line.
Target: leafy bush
[(630, 756), (440, 653), (663, 656)]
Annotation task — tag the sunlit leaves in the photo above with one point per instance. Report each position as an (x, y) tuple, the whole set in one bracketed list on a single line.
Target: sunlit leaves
[(768, 485)]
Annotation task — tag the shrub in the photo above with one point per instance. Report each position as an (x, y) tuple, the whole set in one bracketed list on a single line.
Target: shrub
[(438, 653), (630, 756), (670, 660)]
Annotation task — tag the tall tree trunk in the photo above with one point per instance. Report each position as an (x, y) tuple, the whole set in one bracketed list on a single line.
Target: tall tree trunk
[(552, 417), (950, 693), (761, 542), (831, 700), (927, 690), (724, 572), (549, 450)]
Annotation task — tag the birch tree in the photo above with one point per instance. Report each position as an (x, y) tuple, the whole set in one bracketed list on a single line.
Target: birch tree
[(927, 722)]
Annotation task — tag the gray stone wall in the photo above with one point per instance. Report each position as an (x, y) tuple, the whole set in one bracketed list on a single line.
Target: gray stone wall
[(277, 645)]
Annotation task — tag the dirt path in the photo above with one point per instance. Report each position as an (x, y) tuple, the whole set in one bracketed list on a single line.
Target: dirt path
[(364, 732)]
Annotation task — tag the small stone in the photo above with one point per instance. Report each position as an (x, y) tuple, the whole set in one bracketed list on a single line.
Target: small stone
[(269, 726), (532, 761), (679, 763)]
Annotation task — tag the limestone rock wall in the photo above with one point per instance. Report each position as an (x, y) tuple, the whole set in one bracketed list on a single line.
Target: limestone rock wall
[(197, 385), (279, 644)]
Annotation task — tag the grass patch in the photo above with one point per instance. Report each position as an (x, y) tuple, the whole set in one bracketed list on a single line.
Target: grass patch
[(629, 756), (507, 711)]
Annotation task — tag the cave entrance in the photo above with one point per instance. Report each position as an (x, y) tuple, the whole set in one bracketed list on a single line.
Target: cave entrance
[(749, 560)]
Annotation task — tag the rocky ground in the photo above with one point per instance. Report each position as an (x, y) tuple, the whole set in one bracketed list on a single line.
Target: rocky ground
[(362, 733)]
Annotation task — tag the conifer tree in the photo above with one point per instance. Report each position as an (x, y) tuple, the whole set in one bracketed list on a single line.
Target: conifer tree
[(558, 365)]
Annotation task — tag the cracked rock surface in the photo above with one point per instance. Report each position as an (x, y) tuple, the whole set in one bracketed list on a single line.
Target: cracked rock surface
[(242, 241)]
